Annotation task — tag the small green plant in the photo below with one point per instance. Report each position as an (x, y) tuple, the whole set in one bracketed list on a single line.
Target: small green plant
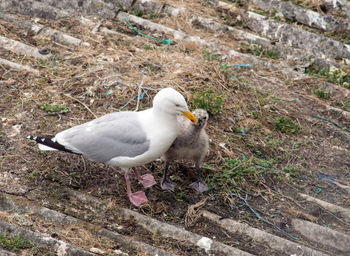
[(237, 2), (210, 55), (137, 12), (274, 144), (228, 72), (33, 176), (255, 114), (153, 15), (14, 243), (148, 47), (45, 63), (287, 126), (342, 36), (321, 93), (344, 105), (234, 172), (260, 12), (209, 100), (259, 50), (292, 171), (54, 109), (331, 74)]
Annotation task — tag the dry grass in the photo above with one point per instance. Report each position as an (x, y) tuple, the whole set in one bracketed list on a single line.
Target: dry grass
[(104, 77)]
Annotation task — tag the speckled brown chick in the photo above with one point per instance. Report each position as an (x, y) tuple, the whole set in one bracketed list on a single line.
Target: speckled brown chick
[(191, 144)]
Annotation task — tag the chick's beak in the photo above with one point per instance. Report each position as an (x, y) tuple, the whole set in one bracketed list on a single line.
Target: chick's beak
[(190, 116)]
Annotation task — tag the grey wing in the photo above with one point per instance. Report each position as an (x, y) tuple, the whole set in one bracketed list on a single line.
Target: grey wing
[(112, 135)]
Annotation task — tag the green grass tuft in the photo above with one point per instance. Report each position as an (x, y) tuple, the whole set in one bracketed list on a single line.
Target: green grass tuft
[(210, 55), (54, 109), (287, 126), (14, 243), (208, 99), (321, 93), (331, 74), (259, 50)]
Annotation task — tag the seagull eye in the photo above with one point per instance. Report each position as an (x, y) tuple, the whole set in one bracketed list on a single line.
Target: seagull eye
[(177, 105)]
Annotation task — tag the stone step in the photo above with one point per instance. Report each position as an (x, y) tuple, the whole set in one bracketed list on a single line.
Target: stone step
[(21, 48), (151, 6), (180, 234), (275, 242), (37, 29), (323, 235), (294, 13), (288, 34), (17, 66), (19, 210), (37, 239), (337, 210)]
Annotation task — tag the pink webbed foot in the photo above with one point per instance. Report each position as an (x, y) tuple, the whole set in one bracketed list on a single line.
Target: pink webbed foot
[(138, 198), (147, 180), (199, 186)]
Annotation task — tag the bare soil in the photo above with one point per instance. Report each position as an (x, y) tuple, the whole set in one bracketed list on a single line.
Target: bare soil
[(103, 78)]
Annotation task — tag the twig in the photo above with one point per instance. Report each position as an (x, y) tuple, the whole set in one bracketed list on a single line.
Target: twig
[(14, 65), (82, 103), (192, 213), (63, 46), (139, 93)]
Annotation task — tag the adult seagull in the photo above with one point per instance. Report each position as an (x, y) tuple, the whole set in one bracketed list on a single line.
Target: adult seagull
[(126, 139)]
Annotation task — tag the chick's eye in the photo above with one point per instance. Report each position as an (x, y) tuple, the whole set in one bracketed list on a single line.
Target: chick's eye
[(177, 105)]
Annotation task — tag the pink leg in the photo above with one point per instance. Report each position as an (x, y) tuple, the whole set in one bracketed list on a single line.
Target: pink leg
[(147, 180), (136, 198)]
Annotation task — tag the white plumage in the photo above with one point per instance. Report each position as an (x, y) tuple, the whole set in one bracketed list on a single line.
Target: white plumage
[(126, 139)]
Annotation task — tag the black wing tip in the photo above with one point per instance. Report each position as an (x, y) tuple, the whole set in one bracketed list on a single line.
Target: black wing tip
[(33, 138), (47, 141), (40, 139)]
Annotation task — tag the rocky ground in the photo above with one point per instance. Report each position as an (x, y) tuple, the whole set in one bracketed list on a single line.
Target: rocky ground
[(274, 76)]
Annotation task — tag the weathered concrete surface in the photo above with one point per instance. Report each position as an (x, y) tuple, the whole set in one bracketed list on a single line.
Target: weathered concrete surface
[(21, 48), (60, 247), (52, 9), (294, 13), (18, 208), (291, 36), (18, 66), (180, 234), (7, 253), (38, 29), (9, 205), (335, 7), (275, 242), (338, 210), (318, 233), (139, 246)]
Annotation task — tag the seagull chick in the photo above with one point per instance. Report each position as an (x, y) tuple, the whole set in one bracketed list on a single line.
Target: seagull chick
[(191, 144), (126, 139)]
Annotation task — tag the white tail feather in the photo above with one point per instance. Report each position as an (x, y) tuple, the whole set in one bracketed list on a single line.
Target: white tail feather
[(43, 147)]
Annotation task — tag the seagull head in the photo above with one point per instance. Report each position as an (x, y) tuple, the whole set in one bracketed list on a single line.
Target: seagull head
[(172, 102)]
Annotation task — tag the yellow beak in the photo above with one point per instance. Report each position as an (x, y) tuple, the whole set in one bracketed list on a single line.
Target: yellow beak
[(190, 116)]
